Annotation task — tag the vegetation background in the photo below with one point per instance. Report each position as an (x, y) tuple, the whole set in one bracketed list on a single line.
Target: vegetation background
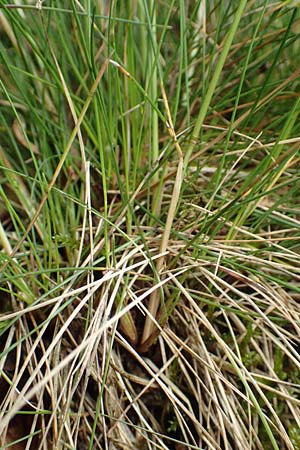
[(149, 225)]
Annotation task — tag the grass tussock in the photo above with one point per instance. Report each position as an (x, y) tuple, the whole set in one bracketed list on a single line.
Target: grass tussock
[(149, 225)]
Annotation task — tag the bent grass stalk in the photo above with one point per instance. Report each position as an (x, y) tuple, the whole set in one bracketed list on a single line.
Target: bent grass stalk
[(63, 157)]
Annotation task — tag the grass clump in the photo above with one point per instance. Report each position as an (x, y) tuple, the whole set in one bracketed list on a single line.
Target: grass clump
[(149, 225)]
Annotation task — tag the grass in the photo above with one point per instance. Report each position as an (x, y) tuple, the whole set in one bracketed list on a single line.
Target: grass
[(149, 225)]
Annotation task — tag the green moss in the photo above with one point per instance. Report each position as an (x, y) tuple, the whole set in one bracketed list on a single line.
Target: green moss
[(251, 359), (294, 434)]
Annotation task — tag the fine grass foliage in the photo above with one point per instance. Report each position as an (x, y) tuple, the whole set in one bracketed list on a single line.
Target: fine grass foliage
[(149, 225)]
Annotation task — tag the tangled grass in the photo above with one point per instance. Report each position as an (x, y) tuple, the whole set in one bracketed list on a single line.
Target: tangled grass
[(149, 225)]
